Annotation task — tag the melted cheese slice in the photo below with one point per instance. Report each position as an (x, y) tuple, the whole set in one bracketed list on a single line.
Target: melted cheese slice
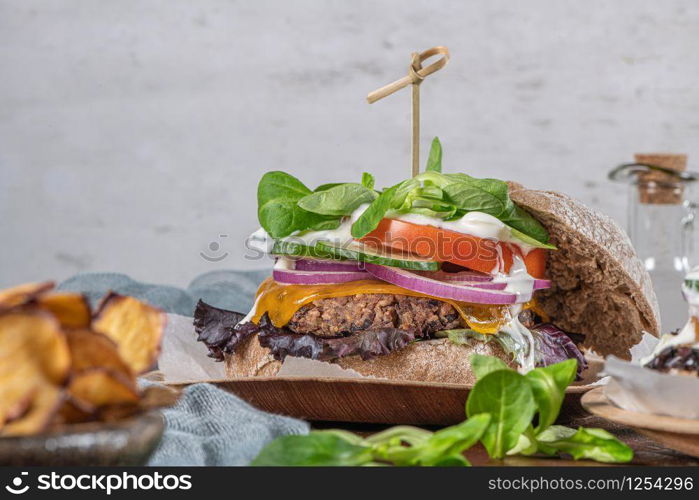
[(281, 302)]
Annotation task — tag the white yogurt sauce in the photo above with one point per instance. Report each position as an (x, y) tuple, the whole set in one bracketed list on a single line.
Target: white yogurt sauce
[(250, 314), (284, 264), (261, 241), (478, 224), (687, 335), (519, 281), (520, 334)]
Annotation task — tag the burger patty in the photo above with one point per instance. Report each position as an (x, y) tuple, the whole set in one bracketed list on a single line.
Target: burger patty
[(345, 315)]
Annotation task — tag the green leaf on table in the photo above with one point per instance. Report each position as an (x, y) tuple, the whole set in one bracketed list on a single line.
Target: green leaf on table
[(404, 433), (591, 443), (445, 444), (434, 160), (411, 446), (483, 365), (507, 397), (337, 200), (398, 445), (526, 444), (548, 385), (317, 448)]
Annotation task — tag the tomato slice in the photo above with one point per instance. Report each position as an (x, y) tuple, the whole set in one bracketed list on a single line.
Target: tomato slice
[(535, 262), (480, 254)]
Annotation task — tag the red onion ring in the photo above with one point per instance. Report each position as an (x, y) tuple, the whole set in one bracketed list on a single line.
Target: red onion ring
[(445, 290), (327, 265), (294, 277), (457, 276), (475, 278)]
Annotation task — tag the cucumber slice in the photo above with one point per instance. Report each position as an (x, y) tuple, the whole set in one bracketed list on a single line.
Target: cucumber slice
[(293, 249), (363, 253)]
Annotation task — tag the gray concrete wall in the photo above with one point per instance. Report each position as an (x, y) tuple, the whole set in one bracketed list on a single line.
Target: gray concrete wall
[(133, 133)]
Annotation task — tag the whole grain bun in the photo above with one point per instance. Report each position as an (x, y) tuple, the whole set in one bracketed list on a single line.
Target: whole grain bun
[(600, 287), (430, 361)]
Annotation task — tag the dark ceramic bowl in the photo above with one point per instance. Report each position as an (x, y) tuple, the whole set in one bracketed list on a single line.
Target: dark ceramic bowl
[(125, 442)]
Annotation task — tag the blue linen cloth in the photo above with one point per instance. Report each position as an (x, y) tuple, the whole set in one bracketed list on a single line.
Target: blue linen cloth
[(207, 426)]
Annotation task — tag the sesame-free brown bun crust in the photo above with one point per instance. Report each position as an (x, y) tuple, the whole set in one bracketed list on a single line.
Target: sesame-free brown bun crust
[(600, 287), (429, 361)]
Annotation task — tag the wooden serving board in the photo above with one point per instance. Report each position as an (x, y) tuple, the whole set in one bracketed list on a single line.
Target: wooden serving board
[(365, 400), (681, 434)]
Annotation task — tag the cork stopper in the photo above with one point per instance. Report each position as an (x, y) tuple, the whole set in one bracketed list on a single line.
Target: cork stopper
[(659, 187)]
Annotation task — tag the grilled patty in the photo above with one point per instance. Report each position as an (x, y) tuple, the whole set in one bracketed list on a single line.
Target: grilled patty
[(345, 315)]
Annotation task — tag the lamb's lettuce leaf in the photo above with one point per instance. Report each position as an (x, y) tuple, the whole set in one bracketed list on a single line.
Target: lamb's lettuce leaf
[(342, 199), (507, 397), (591, 443), (501, 407), (316, 448), (278, 194), (548, 385), (434, 160), (286, 205)]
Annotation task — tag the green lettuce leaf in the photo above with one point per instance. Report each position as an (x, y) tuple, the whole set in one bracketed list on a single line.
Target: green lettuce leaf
[(507, 397), (317, 448), (591, 443), (339, 200), (548, 387)]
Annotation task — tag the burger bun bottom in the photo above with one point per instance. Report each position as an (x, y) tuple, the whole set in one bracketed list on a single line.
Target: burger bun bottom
[(428, 361)]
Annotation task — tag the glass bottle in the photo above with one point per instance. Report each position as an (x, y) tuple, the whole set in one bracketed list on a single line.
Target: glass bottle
[(660, 223)]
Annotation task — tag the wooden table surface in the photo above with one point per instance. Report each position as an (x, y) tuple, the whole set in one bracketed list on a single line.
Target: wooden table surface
[(646, 451)]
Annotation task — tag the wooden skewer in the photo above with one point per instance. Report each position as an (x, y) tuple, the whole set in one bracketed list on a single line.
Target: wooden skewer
[(416, 75)]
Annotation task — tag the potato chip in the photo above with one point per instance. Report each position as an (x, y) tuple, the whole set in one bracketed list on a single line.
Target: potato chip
[(59, 365), (90, 349), (114, 413), (16, 390), (45, 404), (137, 328), (20, 407), (159, 396), (33, 353), (22, 294), (73, 411), (71, 309), (99, 387)]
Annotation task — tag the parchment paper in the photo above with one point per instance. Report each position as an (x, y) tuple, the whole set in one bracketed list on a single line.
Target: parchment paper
[(183, 359), (635, 388)]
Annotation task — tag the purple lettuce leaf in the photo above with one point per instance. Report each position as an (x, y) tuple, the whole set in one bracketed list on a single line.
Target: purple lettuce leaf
[(554, 346), (367, 344), (219, 329)]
